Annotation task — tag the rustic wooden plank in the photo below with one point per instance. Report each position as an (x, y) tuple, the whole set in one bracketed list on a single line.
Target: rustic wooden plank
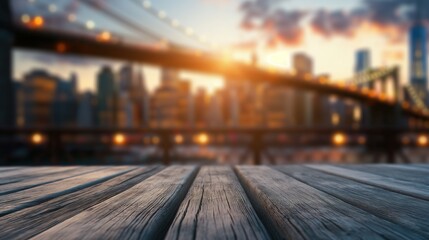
[(18, 185), (393, 171), (404, 210), (34, 220), (417, 190), (26, 198), (418, 167), (144, 211), (291, 209), (29, 172), (216, 207), (8, 169)]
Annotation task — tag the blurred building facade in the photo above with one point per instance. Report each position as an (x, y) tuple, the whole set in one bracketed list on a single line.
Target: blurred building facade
[(107, 98), (46, 100)]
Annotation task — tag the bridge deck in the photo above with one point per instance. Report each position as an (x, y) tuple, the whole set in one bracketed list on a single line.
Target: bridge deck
[(187, 202)]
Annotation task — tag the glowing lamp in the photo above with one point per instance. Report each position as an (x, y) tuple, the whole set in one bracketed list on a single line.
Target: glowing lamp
[(339, 139), (178, 139), (38, 22), (37, 138), (202, 139), (422, 140), (119, 139), (361, 140)]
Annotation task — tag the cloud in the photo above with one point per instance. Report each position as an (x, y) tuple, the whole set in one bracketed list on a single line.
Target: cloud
[(284, 27), (391, 18), (330, 23), (281, 26)]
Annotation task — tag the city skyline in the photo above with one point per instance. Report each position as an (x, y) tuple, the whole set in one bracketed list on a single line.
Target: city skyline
[(377, 39)]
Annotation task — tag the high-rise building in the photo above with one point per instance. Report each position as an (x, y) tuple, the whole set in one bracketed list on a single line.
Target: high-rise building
[(107, 98), (363, 60), (303, 65), (214, 114), (418, 55), (171, 103), (276, 105), (133, 90), (200, 108), (65, 102), (86, 110), (38, 89)]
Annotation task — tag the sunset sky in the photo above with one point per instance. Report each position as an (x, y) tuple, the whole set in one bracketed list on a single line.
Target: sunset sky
[(330, 31)]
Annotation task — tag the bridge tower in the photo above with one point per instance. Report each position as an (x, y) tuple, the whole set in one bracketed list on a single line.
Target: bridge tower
[(7, 103), (387, 117)]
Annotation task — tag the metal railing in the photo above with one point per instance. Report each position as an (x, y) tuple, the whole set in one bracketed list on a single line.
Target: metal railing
[(56, 143)]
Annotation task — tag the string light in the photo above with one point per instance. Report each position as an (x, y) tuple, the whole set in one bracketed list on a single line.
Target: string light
[(90, 24), (52, 8), (71, 17), (188, 31), (25, 18), (147, 4)]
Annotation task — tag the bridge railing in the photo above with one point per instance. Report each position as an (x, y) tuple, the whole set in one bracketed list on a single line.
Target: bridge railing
[(255, 146)]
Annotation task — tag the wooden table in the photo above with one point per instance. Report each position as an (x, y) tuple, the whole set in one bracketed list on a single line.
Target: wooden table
[(215, 202)]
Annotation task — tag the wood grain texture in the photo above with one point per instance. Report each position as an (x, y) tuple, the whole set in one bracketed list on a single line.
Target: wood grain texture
[(403, 187), (144, 211), (30, 197), (410, 212), (216, 207), (34, 220), (394, 171), (291, 209), (26, 173), (45, 179)]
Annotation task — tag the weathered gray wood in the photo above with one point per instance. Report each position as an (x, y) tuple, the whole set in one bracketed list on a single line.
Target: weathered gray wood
[(29, 172), (44, 179), (404, 210), (144, 211), (293, 210), (417, 167), (26, 198), (29, 222), (8, 169), (216, 207), (393, 171), (408, 188)]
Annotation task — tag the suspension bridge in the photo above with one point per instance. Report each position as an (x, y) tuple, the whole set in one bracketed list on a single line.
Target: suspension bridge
[(62, 33)]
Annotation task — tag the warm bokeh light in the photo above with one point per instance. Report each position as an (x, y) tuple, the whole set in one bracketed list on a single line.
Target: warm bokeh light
[(37, 138), (339, 139), (178, 139), (422, 140), (104, 36), (90, 24), (405, 140), (36, 22), (25, 18), (155, 140), (119, 139), (361, 140), (61, 47), (202, 139)]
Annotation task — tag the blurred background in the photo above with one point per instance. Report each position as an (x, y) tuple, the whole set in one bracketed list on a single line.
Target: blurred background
[(213, 81)]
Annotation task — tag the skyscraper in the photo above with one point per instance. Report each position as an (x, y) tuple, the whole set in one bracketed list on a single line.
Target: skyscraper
[(133, 94), (363, 60), (303, 65), (418, 55), (106, 98), (85, 113), (39, 90)]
